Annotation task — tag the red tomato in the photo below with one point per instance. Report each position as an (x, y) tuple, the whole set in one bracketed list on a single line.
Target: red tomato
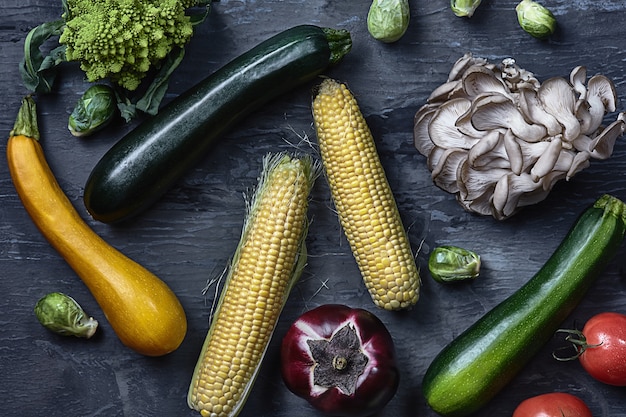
[(554, 404), (604, 351)]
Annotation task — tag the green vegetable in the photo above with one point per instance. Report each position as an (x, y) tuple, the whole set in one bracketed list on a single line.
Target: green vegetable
[(61, 314), (161, 149), (39, 72), (451, 263), (119, 40), (138, 34), (535, 19), (94, 110), (464, 8), (387, 20), (476, 365)]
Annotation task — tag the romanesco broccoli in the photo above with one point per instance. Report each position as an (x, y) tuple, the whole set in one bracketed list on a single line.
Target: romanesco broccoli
[(123, 39)]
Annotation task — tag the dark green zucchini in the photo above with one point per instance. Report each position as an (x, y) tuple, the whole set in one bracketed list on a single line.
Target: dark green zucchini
[(147, 162), (477, 364)]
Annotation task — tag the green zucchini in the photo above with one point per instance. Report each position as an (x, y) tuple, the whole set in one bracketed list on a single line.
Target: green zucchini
[(477, 364), (147, 161)]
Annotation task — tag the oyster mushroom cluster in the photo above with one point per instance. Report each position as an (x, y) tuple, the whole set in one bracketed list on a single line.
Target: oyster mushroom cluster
[(499, 139)]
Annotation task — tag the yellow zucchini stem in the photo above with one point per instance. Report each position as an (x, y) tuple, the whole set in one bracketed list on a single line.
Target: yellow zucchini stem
[(26, 120)]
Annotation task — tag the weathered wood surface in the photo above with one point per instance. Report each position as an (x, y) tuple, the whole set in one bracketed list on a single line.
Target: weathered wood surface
[(188, 236)]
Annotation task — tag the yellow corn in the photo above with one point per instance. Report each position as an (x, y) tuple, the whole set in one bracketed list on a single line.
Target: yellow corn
[(363, 199), (268, 261)]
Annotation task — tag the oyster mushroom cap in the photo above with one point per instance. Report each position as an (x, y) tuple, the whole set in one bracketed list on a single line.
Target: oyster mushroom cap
[(582, 143), (475, 182), (514, 152), (578, 78), (589, 122), (423, 111), (476, 188), (547, 160), (558, 98), (421, 140), (516, 77), (580, 162), (495, 111), (442, 128), (533, 110), (550, 180), (479, 80), (444, 173), (463, 64), (445, 92), (480, 205), (465, 126), (601, 98), (512, 192), (453, 87), (603, 88), (507, 193), (484, 146), (532, 152), (601, 147)]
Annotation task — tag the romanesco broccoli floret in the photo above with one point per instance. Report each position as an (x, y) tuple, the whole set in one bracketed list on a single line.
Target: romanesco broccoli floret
[(122, 39)]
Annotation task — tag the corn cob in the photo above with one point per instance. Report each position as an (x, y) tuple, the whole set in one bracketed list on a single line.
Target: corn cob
[(266, 264), (363, 198)]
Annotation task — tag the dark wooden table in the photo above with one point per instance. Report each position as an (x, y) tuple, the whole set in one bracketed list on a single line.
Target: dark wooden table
[(188, 237)]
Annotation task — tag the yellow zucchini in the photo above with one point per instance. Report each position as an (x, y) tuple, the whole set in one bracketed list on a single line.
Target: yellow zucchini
[(142, 310)]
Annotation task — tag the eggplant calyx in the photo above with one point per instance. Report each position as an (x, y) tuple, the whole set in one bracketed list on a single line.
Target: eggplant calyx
[(339, 361)]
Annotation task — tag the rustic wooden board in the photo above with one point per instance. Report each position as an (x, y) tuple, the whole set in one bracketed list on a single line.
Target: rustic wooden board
[(189, 235)]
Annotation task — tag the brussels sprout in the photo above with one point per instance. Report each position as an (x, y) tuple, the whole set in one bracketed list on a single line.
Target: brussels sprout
[(61, 314), (464, 8), (387, 20), (94, 110), (451, 263), (535, 19)]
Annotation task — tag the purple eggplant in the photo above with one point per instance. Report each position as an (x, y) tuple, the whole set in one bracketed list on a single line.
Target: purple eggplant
[(340, 359)]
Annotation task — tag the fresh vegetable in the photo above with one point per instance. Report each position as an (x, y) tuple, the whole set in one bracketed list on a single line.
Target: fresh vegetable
[(94, 110), (553, 404), (464, 8), (61, 314), (363, 198), (476, 365), (535, 19), (451, 263), (601, 347), (388, 20), (341, 360), (267, 263), (499, 139), (142, 310), (160, 150), (120, 40)]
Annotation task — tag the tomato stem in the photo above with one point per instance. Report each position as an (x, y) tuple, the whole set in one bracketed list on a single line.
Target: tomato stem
[(579, 342), (26, 121)]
